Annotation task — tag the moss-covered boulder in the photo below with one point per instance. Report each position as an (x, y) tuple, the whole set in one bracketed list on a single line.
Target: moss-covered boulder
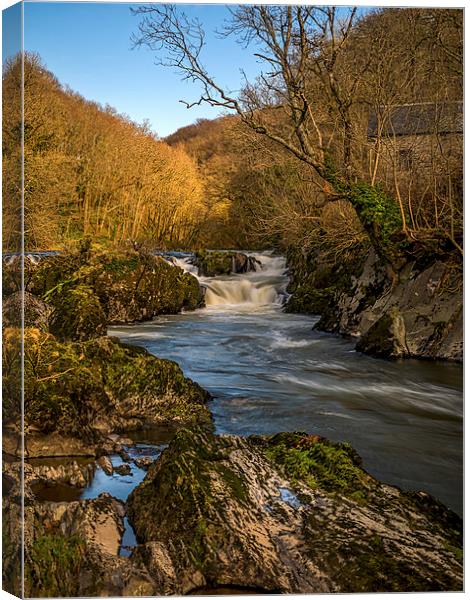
[(92, 289), (316, 284), (77, 314), (289, 513), (211, 263), (87, 389)]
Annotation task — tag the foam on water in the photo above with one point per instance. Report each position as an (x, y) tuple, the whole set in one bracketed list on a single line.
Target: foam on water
[(265, 287)]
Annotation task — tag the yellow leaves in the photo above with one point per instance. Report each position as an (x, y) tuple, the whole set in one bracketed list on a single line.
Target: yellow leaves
[(89, 170)]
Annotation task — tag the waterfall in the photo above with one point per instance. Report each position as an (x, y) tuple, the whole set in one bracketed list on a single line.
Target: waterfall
[(265, 287)]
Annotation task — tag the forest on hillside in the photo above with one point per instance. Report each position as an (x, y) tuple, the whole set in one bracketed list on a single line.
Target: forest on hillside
[(90, 171), (234, 183)]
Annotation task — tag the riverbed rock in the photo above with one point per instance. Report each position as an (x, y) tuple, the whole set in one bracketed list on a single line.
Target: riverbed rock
[(105, 463), (70, 548), (144, 462), (421, 308), (69, 471), (211, 263), (124, 469), (52, 445), (88, 390), (73, 551), (288, 513)]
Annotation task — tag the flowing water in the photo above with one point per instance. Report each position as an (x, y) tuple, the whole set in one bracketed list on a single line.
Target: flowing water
[(268, 371)]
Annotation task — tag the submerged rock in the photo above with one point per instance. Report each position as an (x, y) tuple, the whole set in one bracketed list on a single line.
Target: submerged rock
[(105, 463), (123, 469), (144, 462), (289, 513)]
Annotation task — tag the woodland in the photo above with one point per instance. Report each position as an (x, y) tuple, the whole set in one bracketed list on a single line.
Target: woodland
[(290, 162)]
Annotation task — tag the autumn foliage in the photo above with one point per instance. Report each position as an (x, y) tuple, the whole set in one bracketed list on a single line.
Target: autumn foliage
[(90, 171)]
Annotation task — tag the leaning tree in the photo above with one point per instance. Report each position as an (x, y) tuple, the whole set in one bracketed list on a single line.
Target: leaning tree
[(303, 51)]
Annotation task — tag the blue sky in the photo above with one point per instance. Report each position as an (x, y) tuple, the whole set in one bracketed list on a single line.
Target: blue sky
[(87, 46)]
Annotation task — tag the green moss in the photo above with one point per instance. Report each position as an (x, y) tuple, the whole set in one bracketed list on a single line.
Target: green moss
[(319, 463), (235, 483), (212, 264), (317, 286), (378, 212), (184, 496), (121, 266), (374, 569), (53, 565), (78, 314), (69, 385), (310, 301)]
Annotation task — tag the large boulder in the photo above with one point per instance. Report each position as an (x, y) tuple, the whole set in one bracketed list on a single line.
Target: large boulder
[(78, 314), (86, 390), (212, 263), (89, 290), (420, 308), (36, 313), (386, 337), (289, 513)]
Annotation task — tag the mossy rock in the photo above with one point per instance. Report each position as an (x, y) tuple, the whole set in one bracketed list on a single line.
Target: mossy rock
[(288, 513), (386, 337), (316, 286), (91, 289), (318, 462), (53, 564), (84, 388), (11, 546), (213, 264), (77, 315), (36, 312)]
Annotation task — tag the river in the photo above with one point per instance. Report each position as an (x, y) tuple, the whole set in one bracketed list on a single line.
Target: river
[(269, 371)]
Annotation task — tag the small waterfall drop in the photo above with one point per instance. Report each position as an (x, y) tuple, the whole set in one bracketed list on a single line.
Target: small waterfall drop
[(263, 288)]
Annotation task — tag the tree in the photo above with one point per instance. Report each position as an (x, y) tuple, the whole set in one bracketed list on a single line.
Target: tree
[(306, 100)]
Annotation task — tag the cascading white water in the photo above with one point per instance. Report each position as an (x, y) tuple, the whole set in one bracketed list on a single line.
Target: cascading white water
[(265, 287)]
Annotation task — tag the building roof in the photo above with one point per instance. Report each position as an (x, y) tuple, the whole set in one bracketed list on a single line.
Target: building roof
[(418, 119)]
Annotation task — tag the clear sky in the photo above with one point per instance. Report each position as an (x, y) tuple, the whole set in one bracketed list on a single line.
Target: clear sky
[(88, 47)]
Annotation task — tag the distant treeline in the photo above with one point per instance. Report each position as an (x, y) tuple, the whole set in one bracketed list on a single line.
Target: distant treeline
[(89, 171)]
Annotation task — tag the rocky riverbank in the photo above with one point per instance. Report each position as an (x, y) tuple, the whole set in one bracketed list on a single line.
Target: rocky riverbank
[(416, 314), (289, 513), (77, 295), (80, 385)]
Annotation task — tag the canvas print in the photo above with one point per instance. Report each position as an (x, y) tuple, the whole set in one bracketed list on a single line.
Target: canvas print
[(232, 299)]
